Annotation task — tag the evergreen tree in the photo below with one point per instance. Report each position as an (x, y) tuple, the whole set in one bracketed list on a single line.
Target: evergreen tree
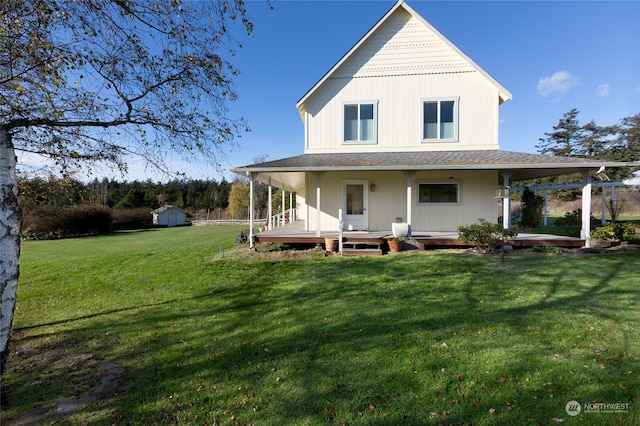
[(566, 137), (531, 209), (134, 199)]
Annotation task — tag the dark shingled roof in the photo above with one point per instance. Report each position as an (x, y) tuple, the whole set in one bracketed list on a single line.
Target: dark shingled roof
[(522, 165), (419, 160)]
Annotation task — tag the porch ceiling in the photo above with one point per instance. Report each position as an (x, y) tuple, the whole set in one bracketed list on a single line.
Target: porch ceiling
[(289, 172)]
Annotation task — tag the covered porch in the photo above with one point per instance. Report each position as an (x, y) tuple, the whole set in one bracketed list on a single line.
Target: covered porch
[(390, 182), (365, 242)]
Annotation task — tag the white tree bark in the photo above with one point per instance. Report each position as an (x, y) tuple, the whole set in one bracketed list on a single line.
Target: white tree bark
[(9, 242)]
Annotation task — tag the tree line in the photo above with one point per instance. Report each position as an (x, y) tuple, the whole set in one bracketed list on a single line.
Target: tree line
[(221, 199), (618, 142), (191, 195), (569, 138)]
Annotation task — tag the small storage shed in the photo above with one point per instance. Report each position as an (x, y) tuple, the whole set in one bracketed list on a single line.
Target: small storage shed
[(169, 215)]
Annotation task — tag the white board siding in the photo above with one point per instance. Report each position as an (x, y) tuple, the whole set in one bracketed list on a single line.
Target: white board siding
[(476, 201), (388, 202), (403, 46), (399, 113), (400, 65), (171, 217)]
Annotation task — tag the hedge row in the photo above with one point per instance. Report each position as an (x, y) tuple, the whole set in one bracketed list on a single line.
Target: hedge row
[(53, 222)]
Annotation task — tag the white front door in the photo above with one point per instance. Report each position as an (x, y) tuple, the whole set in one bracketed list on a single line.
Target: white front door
[(355, 204)]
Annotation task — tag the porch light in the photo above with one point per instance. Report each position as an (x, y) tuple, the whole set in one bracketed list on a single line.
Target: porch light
[(372, 187), (503, 192)]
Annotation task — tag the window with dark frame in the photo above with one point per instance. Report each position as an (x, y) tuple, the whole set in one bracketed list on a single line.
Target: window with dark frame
[(439, 193), (360, 122), (439, 120)]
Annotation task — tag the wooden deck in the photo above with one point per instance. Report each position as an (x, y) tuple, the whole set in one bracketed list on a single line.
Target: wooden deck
[(365, 242)]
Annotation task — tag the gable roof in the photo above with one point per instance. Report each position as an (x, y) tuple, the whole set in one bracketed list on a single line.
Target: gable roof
[(437, 44), (168, 207)]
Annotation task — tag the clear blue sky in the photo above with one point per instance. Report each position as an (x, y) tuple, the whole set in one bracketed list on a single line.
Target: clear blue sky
[(551, 55)]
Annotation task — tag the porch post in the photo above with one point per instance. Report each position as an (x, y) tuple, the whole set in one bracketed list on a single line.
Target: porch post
[(613, 204), (506, 203), (546, 201), (284, 193), (409, 196), (585, 233), (318, 178), (291, 207), (251, 219), (603, 220), (269, 209)]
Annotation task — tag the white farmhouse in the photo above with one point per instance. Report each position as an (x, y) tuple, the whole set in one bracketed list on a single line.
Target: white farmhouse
[(405, 128)]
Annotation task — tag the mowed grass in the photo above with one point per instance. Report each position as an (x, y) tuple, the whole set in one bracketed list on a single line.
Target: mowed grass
[(430, 337)]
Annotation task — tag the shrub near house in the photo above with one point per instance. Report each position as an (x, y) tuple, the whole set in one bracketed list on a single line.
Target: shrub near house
[(485, 235), (619, 231)]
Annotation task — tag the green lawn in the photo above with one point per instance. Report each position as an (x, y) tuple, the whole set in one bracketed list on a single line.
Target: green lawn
[(431, 337)]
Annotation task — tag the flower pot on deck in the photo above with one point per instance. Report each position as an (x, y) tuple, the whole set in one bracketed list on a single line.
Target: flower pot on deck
[(331, 244), (394, 245)]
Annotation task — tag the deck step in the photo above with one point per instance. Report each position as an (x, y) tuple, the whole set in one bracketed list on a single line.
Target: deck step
[(361, 248), (362, 252)]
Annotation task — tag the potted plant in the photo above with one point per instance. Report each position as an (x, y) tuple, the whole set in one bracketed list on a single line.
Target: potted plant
[(395, 244), (331, 244)]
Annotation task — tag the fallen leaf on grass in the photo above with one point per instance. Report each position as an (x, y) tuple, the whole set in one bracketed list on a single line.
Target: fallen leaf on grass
[(558, 420), (492, 410)]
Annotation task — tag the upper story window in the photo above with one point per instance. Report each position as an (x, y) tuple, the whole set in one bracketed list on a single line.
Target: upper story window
[(440, 120), (360, 122)]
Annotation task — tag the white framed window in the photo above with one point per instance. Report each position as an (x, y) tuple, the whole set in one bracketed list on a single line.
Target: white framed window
[(440, 120), (360, 122), (439, 193)]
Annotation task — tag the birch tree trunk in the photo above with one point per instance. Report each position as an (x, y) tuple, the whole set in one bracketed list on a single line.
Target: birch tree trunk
[(9, 242)]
